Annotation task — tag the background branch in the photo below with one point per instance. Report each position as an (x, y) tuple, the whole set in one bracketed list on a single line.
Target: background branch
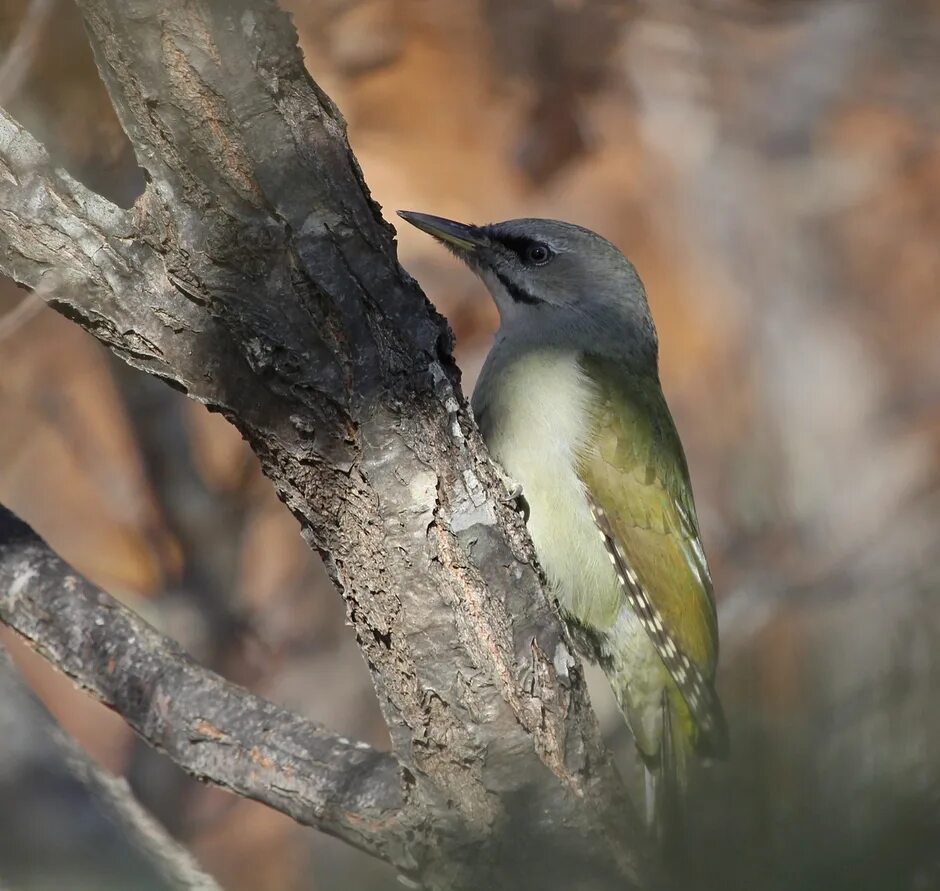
[(171, 858), (18, 57), (113, 794), (212, 729), (120, 845)]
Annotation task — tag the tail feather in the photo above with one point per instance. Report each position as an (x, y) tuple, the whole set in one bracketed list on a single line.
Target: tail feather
[(667, 782)]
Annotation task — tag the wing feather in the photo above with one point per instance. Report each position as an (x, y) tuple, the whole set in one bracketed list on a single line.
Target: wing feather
[(637, 479)]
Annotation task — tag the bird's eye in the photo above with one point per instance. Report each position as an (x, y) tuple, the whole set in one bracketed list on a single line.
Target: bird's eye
[(538, 254)]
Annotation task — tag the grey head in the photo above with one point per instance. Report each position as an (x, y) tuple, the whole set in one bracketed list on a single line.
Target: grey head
[(555, 283)]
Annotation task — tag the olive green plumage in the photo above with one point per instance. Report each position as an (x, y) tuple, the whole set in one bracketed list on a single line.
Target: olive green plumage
[(570, 405), (636, 471)]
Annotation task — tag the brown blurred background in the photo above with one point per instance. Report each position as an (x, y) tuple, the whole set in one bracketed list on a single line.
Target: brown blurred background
[(773, 170)]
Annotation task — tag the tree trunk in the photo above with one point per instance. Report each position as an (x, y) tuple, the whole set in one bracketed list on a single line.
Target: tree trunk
[(256, 275)]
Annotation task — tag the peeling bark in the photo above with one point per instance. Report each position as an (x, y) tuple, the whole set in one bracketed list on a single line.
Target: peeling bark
[(257, 275)]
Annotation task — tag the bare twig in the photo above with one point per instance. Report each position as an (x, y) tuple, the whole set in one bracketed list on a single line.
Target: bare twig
[(20, 315), (116, 799), (211, 728), (19, 57), (174, 861)]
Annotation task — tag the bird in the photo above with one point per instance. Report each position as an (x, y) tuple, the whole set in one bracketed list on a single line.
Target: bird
[(570, 405)]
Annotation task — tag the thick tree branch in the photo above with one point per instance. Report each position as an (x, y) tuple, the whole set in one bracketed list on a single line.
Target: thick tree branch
[(51, 225), (214, 730), (87, 259), (256, 274)]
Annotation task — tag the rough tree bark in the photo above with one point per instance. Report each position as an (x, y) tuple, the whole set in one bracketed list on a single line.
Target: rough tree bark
[(213, 729), (256, 275)]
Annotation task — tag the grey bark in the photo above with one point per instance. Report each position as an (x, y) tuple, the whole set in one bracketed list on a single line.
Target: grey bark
[(214, 730), (208, 524), (256, 275), (122, 845)]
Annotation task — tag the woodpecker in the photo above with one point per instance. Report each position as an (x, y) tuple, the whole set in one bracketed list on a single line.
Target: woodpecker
[(570, 405)]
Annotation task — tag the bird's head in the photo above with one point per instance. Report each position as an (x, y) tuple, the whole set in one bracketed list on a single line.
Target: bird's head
[(550, 275)]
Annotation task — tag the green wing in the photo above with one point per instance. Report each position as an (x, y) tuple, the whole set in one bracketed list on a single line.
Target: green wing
[(635, 471)]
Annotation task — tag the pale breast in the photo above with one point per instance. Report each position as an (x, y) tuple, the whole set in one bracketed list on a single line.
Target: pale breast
[(535, 414)]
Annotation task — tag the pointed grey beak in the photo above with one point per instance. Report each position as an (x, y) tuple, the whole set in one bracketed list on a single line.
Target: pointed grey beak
[(459, 235)]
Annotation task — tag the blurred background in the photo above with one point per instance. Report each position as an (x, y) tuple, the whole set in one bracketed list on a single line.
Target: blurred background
[(772, 167)]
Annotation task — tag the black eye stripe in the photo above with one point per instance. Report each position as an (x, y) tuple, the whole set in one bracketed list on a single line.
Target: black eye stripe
[(521, 246), (516, 243)]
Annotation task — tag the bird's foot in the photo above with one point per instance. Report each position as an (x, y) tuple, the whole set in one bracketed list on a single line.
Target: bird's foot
[(516, 497)]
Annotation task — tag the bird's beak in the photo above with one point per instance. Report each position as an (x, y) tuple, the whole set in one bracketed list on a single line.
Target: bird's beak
[(457, 235)]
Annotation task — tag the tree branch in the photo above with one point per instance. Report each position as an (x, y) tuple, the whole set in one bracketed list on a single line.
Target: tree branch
[(112, 794), (214, 730), (256, 274), (172, 860), (88, 260), (18, 56)]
